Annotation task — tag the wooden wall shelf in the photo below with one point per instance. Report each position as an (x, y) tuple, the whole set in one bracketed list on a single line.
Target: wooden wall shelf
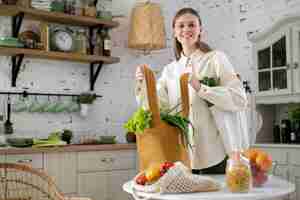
[(56, 55), (17, 54), (55, 17)]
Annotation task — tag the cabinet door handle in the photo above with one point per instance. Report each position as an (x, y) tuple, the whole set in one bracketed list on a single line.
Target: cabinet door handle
[(24, 161), (296, 65), (103, 160), (275, 165), (112, 160)]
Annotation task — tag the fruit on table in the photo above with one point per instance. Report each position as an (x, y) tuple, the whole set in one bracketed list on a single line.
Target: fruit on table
[(165, 167), (153, 173), (141, 179), (260, 158), (261, 163), (264, 161), (260, 178), (251, 154)]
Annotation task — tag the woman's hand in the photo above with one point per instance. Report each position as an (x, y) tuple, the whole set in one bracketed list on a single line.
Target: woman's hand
[(194, 82), (139, 73)]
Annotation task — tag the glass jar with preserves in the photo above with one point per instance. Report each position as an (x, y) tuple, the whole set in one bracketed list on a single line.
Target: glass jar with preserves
[(238, 173), (81, 41)]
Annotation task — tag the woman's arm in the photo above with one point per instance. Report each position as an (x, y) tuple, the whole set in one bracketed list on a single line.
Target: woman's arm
[(230, 95)]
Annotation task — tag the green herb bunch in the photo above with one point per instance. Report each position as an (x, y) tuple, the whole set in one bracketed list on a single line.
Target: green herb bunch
[(178, 121), (211, 82), (139, 121)]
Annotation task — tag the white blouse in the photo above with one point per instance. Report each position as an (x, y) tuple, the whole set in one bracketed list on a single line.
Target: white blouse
[(207, 144)]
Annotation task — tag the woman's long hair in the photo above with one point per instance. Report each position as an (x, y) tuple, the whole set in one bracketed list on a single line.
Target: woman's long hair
[(177, 46)]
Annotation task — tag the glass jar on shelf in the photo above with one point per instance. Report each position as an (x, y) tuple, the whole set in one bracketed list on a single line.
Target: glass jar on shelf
[(107, 44), (90, 9), (238, 173), (98, 50), (57, 6), (81, 41), (79, 8)]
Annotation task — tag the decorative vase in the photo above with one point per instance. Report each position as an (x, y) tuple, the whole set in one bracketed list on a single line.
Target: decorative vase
[(84, 109), (130, 137)]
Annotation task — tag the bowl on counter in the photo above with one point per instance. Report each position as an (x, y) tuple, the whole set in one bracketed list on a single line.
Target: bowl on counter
[(19, 142), (108, 139)]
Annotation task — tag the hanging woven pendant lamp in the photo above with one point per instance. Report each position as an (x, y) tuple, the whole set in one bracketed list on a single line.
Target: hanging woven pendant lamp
[(147, 30)]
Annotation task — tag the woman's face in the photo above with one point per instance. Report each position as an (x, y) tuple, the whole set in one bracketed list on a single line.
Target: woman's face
[(187, 29)]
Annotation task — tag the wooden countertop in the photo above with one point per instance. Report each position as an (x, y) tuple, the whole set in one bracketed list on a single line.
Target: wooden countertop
[(68, 148)]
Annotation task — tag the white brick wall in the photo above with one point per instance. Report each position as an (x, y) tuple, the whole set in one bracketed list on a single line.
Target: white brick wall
[(226, 24)]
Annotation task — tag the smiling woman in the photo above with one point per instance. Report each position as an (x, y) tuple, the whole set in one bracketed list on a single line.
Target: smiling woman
[(194, 57), (187, 26)]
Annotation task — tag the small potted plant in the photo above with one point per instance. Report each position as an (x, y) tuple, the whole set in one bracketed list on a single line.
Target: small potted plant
[(84, 100), (130, 137), (67, 135)]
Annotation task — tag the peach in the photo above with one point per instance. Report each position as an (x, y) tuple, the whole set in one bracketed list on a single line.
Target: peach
[(153, 173), (264, 161), (251, 154)]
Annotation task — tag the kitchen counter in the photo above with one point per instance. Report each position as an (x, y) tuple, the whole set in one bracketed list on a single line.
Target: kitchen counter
[(276, 145), (68, 148)]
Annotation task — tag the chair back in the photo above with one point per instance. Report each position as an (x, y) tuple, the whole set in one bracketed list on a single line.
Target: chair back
[(22, 182)]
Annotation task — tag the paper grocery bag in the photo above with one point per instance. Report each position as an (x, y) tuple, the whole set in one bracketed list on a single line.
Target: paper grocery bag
[(147, 30), (162, 142)]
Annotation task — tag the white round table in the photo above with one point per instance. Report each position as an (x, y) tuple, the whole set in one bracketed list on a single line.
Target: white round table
[(275, 188)]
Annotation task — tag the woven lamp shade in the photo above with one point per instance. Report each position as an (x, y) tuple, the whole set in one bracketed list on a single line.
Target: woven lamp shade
[(147, 30)]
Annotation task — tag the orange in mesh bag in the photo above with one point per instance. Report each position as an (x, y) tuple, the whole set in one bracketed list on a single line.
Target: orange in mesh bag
[(162, 142), (178, 179)]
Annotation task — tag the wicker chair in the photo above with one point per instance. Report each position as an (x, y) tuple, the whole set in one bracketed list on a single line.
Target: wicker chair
[(22, 182)]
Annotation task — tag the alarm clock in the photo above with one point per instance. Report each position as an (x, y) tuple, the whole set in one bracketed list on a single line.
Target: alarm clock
[(62, 39)]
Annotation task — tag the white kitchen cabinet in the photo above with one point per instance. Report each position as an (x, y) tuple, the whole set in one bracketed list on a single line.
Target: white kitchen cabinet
[(93, 185), (276, 60), (101, 174), (106, 160), (97, 174), (62, 168), (281, 171), (295, 178), (296, 58), (35, 160), (105, 185)]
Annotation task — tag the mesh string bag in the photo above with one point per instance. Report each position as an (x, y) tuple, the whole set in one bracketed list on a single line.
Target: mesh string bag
[(178, 179)]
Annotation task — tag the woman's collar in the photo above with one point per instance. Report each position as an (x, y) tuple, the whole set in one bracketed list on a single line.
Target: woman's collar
[(195, 53)]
